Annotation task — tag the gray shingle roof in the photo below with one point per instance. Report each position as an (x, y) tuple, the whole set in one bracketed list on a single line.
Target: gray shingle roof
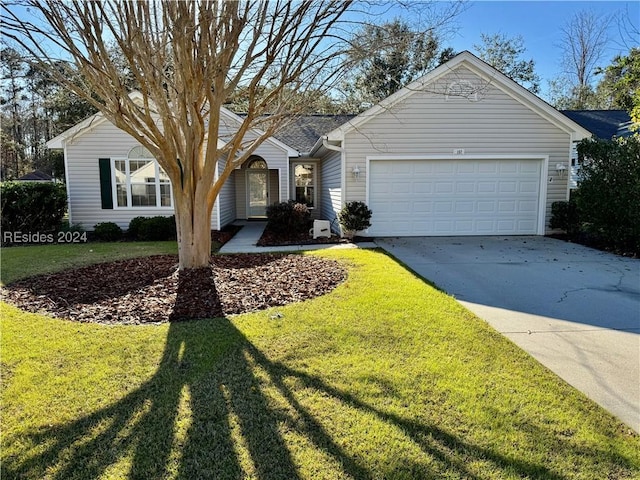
[(602, 123), (303, 132)]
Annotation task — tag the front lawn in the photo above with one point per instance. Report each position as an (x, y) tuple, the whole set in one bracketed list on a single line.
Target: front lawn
[(385, 377), (21, 262)]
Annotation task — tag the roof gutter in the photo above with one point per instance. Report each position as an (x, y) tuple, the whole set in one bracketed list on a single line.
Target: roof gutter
[(328, 146)]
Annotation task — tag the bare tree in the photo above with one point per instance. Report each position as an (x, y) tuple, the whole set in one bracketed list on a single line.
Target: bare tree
[(187, 58), (584, 40)]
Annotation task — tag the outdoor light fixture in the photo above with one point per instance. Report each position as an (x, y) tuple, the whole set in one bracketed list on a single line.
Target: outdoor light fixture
[(561, 168), (356, 172)]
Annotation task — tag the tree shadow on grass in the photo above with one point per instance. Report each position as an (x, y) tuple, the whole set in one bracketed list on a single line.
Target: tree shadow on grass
[(209, 412)]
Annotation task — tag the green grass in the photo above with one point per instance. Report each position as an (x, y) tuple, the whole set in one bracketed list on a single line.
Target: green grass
[(385, 378), (26, 261)]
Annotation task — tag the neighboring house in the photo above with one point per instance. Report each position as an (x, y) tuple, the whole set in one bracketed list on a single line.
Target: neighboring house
[(36, 176), (604, 124), (462, 151)]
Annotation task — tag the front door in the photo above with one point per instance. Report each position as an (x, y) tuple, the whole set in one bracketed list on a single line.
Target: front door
[(258, 192)]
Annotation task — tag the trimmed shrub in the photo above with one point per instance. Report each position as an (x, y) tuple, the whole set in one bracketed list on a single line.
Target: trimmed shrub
[(354, 216), (32, 206), (65, 226), (158, 228), (609, 191), (288, 217), (564, 215), (152, 228), (134, 227), (107, 232)]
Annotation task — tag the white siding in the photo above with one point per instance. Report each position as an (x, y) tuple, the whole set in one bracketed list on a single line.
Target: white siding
[(107, 141), (83, 180), (226, 204), (429, 123), (83, 177), (331, 191)]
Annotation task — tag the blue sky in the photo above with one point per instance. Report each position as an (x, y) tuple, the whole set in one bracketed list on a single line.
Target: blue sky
[(539, 23)]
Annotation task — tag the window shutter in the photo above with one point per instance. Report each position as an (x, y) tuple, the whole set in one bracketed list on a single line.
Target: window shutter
[(106, 194)]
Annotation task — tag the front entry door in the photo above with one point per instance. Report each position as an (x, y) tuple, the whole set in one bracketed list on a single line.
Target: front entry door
[(258, 192)]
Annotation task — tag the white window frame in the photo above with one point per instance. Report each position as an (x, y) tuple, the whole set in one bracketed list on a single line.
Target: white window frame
[(128, 184), (315, 180)]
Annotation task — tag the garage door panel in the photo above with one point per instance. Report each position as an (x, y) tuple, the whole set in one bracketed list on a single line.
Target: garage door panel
[(401, 168), (465, 187), (529, 187), (530, 167), (488, 167), (454, 197), (443, 207), (399, 208), (508, 186), (465, 206), (401, 187), (487, 187), (507, 206), (444, 168), (446, 188), (422, 207), (486, 206), (422, 187), (527, 206)]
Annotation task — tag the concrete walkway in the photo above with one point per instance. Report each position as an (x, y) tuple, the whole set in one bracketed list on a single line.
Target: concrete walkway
[(245, 241)]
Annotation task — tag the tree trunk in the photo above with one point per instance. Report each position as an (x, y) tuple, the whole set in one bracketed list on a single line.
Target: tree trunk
[(197, 296), (193, 225)]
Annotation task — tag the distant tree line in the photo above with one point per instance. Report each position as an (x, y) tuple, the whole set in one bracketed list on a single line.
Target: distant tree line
[(34, 109)]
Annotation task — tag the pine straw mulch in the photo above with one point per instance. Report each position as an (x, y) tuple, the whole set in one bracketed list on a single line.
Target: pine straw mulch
[(148, 290)]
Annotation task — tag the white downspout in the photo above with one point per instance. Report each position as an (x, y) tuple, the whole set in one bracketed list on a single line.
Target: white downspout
[(343, 168)]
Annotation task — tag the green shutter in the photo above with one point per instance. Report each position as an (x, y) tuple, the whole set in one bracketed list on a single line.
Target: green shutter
[(106, 193)]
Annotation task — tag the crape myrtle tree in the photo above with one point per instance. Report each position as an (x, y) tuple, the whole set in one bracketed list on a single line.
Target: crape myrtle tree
[(186, 59)]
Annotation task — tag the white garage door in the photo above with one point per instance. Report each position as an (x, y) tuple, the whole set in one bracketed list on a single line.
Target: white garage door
[(454, 197)]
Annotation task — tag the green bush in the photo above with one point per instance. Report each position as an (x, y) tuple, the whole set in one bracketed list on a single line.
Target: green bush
[(134, 227), (107, 232), (32, 206), (609, 191), (152, 228), (288, 217), (65, 226), (354, 216), (157, 229), (564, 215)]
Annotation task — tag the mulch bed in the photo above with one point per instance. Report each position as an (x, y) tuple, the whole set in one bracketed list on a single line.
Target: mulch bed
[(149, 289), (271, 238)]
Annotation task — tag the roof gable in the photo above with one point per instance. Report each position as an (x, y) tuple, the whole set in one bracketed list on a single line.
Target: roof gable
[(85, 126), (484, 71)]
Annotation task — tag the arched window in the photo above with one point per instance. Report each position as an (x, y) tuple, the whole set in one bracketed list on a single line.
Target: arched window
[(140, 181), (257, 163)]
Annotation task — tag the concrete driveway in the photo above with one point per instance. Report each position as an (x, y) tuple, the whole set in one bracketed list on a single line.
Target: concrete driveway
[(575, 309)]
